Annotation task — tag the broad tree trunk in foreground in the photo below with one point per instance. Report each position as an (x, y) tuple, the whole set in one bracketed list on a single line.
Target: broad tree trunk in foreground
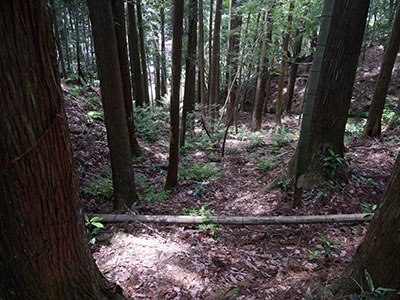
[(190, 78), (379, 252), (136, 71), (177, 32), (214, 68), (373, 126), (113, 101), (120, 35), (44, 252), (329, 89)]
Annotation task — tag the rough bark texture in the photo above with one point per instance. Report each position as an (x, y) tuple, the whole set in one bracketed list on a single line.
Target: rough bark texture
[(190, 78), (373, 126), (214, 68), (120, 35), (57, 38), (163, 58), (145, 80), (136, 71), (235, 22), (113, 101), (378, 253), (329, 88), (177, 32), (256, 117), (43, 246)]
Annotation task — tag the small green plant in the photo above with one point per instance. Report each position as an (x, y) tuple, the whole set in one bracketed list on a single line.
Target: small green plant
[(93, 115), (368, 209), (278, 255), (333, 162), (93, 227), (149, 122), (148, 192), (265, 164), (316, 193), (206, 213), (314, 254), (328, 247), (102, 186), (281, 137), (362, 179), (198, 171), (200, 190)]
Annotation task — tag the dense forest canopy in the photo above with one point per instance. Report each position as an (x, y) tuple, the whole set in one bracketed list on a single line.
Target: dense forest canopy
[(139, 132)]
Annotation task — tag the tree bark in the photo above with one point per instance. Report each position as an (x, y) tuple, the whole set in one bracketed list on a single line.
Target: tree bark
[(261, 81), (201, 61), (163, 58), (232, 57), (145, 79), (44, 252), (214, 68), (285, 47), (329, 89), (113, 101), (66, 39), (190, 78), (136, 71), (378, 253), (177, 32), (157, 67), (120, 35), (373, 126), (57, 38)]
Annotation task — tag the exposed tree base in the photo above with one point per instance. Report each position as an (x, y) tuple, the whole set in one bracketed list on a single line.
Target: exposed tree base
[(232, 220)]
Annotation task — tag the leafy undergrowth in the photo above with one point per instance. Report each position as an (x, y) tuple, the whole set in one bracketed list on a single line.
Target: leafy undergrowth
[(225, 262)]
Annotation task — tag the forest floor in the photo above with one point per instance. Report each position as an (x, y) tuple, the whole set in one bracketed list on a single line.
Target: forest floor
[(229, 262)]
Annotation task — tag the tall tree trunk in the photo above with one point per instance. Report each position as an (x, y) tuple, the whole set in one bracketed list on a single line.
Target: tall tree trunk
[(157, 67), (190, 78), (201, 61), (136, 71), (373, 126), (232, 56), (78, 42), (177, 32), (163, 58), (378, 253), (120, 35), (261, 81), (66, 39), (145, 79), (214, 68), (210, 45), (328, 95), (293, 73), (112, 96), (268, 87), (44, 252), (283, 67), (57, 38)]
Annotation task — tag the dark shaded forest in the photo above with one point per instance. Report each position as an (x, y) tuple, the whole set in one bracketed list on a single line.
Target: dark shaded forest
[(199, 149)]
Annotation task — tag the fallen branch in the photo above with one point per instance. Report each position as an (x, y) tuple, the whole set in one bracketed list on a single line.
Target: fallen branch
[(229, 220)]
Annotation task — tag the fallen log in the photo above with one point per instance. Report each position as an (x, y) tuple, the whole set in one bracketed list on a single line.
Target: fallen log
[(231, 220)]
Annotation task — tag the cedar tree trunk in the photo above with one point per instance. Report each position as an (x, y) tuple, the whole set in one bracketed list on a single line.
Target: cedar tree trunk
[(44, 251), (145, 82)]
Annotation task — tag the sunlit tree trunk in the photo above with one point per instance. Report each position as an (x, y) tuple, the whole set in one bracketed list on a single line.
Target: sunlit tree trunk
[(214, 68), (120, 35), (378, 253), (329, 89), (177, 32), (44, 251), (373, 126), (136, 71), (190, 78), (113, 101), (145, 80)]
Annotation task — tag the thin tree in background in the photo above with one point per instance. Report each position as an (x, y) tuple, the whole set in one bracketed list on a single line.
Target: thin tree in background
[(285, 47), (232, 59), (373, 126), (163, 56), (190, 78), (57, 38), (145, 79), (214, 68), (136, 71), (44, 252), (120, 35), (261, 81), (157, 69), (177, 33), (201, 61), (327, 97), (113, 101)]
